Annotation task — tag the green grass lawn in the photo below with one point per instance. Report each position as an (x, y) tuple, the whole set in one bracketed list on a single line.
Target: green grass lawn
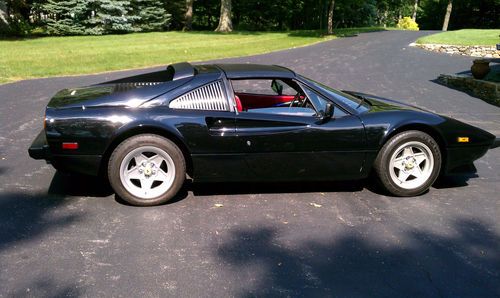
[(57, 56), (466, 37)]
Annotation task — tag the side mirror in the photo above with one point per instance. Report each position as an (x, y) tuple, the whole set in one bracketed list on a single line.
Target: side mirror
[(277, 87), (328, 114)]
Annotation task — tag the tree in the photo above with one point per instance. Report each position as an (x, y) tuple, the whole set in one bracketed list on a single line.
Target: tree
[(188, 17), (149, 15), (4, 18), (112, 16), (331, 6), (225, 24), (447, 15), (65, 17), (415, 7)]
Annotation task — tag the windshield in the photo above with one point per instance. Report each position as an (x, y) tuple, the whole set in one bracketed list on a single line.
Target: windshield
[(344, 98)]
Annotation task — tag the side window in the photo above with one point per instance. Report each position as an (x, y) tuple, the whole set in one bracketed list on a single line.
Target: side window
[(279, 96), (271, 96), (210, 97), (262, 87)]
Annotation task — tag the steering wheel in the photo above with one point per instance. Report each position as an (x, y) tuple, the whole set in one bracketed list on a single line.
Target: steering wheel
[(296, 99)]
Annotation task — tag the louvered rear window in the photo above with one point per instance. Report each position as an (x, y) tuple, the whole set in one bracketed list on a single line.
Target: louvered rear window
[(210, 97)]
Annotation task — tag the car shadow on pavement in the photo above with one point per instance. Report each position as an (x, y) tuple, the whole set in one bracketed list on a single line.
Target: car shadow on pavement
[(236, 188), (412, 263), (454, 181), (457, 179), (79, 185)]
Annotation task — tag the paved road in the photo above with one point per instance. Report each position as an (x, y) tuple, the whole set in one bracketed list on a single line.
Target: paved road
[(63, 235)]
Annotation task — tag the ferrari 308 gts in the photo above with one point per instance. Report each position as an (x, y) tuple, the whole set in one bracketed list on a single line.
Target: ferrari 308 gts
[(246, 122)]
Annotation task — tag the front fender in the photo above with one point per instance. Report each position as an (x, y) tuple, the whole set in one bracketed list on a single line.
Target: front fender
[(381, 126)]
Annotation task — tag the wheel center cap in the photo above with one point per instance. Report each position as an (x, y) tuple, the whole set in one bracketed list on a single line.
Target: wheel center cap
[(147, 171), (409, 163)]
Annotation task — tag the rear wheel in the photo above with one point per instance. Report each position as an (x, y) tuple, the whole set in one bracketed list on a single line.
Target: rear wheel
[(409, 163), (146, 170)]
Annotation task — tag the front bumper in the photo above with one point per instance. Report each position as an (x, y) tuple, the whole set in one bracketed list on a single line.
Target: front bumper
[(39, 149), (496, 143)]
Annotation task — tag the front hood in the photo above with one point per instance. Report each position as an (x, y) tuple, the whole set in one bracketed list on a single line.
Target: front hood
[(119, 94), (384, 104)]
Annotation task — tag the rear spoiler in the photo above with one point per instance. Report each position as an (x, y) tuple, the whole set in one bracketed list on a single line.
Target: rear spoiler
[(179, 71)]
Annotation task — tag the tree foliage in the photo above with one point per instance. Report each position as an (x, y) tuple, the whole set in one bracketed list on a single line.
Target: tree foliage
[(150, 15), (479, 14), (66, 17), (72, 17), (111, 16)]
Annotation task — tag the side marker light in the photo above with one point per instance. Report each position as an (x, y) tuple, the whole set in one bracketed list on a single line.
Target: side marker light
[(70, 146)]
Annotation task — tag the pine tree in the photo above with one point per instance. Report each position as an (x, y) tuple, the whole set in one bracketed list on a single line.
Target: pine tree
[(151, 16), (65, 17), (111, 16)]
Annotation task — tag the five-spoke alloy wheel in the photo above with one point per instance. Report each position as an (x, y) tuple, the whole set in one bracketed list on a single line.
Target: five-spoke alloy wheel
[(409, 163), (146, 170)]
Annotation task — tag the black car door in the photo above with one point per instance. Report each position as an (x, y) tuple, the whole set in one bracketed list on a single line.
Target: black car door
[(299, 147), (205, 118)]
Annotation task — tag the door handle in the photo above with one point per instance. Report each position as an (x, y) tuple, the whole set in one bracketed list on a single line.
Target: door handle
[(220, 126)]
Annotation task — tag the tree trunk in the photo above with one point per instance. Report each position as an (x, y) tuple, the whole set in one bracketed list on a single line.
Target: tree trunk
[(330, 16), (4, 18), (415, 7), (447, 15), (225, 24), (188, 17)]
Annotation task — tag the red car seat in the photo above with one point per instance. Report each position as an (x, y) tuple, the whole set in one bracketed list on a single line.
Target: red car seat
[(239, 106)]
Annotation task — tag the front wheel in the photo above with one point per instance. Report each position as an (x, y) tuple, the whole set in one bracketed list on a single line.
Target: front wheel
[(146, 170), (409, 163)]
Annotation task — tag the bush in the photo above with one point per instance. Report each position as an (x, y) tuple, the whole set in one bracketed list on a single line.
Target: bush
[(407, 23), (17, 27)]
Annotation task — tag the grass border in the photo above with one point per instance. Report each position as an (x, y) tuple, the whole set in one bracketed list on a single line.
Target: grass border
[(344, 32)]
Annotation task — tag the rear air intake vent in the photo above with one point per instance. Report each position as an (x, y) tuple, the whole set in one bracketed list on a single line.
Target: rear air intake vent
[(209, 97), (122, 87)]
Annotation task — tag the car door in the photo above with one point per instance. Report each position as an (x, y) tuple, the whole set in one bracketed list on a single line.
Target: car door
[(206, 120), (301, 147)]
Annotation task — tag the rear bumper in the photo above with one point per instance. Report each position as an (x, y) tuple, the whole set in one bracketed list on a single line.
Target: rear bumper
[(83, 164), (39, 149), (496, 143)]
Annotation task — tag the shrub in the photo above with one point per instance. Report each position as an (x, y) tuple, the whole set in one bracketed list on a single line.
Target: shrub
[(17, 27), (407, 23)]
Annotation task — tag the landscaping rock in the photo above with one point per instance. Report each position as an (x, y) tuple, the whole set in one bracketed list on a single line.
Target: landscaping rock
[(485, 90), (474, 51)]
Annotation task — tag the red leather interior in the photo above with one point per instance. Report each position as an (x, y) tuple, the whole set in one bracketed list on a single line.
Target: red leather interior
[(255, 101), (239, 106)]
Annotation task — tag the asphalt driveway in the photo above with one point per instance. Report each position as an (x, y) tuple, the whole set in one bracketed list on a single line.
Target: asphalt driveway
[(68, 236)]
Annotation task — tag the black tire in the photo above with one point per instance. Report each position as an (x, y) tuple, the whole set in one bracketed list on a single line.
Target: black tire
[(138, 141), (383, 163)]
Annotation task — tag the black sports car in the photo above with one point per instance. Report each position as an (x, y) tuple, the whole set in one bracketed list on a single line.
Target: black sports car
[(241, 122)]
